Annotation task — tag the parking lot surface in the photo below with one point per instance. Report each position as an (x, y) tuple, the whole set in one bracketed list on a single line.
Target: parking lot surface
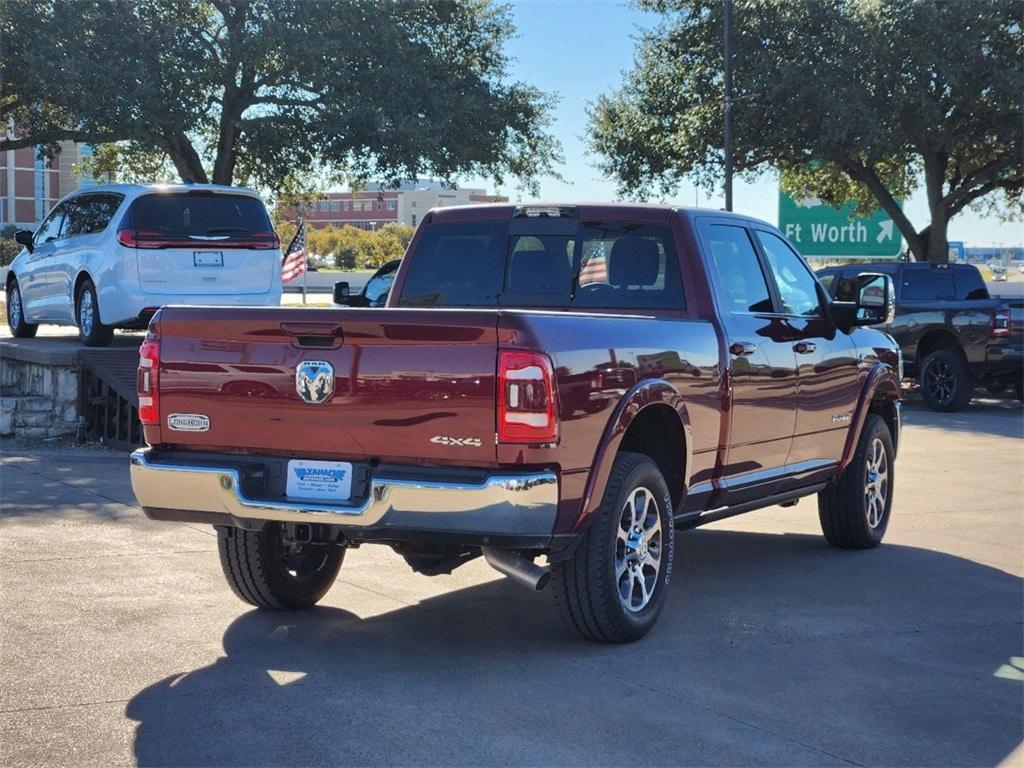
[(122, 644)]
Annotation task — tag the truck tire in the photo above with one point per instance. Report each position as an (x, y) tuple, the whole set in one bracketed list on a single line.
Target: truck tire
[(16, 313), (87, 316), (265, 572), (945, 381), (854, 510), (614, 585)]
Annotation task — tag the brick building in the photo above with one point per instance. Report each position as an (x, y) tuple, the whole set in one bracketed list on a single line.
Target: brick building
[(373, 207), (29, 187)]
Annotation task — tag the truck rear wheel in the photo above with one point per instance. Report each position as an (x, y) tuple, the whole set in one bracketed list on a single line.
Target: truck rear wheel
[(613, 587), (946, 381), (854, 510), (266, 571)]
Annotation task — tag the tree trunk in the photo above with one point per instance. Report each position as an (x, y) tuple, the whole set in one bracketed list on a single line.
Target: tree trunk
[(185, 158), (937, 244), (230, 119)]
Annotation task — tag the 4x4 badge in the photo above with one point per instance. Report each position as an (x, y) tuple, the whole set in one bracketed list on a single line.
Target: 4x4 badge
[(314, 381)]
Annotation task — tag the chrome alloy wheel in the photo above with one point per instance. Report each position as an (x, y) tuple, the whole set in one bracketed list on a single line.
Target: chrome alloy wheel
[(86, 313), (15, 309), (876, 483), (638, 550)]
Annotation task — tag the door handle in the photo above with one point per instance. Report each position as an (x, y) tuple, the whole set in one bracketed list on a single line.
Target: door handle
[(742, 348), (805, 347)]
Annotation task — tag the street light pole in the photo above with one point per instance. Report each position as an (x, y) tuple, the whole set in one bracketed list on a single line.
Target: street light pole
[(728, 138)]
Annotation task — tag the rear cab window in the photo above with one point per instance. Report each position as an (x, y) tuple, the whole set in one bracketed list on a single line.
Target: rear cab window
[(545, 263), (926, 284)]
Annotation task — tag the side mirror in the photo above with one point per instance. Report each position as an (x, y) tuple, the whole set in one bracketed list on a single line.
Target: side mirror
[(24, 237), (341, 293), (872, 301)]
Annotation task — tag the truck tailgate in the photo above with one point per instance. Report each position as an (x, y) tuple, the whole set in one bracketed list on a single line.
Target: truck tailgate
[(410, 385)]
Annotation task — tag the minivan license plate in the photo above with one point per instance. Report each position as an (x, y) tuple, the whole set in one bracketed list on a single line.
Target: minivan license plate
[(208, 258), (319, 480)]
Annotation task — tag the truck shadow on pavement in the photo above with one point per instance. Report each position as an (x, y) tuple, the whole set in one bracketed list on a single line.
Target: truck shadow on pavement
[(772, 648), (984, 415)]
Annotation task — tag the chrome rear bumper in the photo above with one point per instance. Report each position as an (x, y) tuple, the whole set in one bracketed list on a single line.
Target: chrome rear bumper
[(502, 504)]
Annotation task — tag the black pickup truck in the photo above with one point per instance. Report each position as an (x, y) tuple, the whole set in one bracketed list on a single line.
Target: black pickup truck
[(954, 336)]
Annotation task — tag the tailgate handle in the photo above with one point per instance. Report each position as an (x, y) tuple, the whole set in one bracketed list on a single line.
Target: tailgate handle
[(312, 329), (314, 334)]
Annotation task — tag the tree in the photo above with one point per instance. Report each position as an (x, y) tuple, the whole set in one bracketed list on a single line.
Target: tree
[(253, 91), (848, 99)]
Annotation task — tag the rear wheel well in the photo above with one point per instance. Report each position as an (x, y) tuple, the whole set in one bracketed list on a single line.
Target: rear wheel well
[(79, 281), (11, 280), (657, 433), (934, 340)]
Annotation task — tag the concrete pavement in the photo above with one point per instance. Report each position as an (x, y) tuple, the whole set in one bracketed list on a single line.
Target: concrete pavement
[(122, 644)]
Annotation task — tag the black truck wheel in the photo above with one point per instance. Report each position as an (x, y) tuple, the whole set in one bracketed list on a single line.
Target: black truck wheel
[(945, 381), (854, 510), (265, 571), (16, 313), (613, 587)]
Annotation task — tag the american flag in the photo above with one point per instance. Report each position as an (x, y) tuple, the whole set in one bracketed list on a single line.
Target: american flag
[(294, 262), (595, 268)]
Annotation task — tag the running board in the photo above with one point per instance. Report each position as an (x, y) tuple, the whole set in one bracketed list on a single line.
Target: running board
[(694, 519)]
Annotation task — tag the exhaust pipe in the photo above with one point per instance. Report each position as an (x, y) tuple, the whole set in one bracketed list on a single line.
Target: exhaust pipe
[(532, 576)]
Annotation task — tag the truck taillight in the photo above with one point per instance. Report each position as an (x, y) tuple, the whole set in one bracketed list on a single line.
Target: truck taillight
[(526, 399), (149, 382), (999, 328)]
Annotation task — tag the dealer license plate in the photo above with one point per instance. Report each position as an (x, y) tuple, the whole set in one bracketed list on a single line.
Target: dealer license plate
[(319, 480)]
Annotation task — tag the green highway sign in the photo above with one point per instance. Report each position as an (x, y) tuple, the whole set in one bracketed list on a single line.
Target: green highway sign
[(817, 229)]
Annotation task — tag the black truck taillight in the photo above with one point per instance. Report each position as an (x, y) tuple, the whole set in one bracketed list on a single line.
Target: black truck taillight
[(999, 328), (526, 398), (149, 382)]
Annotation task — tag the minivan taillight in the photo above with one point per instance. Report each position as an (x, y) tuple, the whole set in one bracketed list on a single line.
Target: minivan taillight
[(999, 328), (142, 238), (149, 382), (526, 398)]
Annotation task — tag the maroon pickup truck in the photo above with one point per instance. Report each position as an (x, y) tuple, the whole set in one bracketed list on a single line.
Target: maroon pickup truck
[(572, 382)]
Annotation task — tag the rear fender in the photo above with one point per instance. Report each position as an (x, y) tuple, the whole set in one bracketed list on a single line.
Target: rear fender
[(882, 381), (647, 393)]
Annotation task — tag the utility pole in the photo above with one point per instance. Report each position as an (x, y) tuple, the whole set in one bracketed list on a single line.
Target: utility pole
[(728, 137)]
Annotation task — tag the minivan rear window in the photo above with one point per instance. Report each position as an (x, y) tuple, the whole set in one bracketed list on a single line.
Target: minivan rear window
[(200, 214), (596, 265)]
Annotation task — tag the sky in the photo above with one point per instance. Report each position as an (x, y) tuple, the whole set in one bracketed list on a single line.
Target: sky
[(579, 49)]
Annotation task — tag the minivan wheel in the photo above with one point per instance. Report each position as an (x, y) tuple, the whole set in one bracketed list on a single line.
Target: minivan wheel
[(265, 570), (945, 381), (87, 314), (613, 587), (854, 511), (16, 313)]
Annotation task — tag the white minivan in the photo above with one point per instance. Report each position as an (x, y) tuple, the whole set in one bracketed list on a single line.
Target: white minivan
[(109, 256)]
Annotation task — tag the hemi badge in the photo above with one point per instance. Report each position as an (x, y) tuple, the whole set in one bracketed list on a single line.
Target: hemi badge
[(188, 422), (841, 418)]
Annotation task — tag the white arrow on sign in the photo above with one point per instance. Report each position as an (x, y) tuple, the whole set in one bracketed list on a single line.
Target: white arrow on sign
[(884, 230)]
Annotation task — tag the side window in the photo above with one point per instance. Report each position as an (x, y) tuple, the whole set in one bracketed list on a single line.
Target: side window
[(89, 214), (741, 283), (52, 225), (969, 284), (379, 286), (797, 287)]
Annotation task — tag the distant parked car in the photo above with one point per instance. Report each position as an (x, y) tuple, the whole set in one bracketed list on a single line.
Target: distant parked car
[(109, 256), (998, 273)]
